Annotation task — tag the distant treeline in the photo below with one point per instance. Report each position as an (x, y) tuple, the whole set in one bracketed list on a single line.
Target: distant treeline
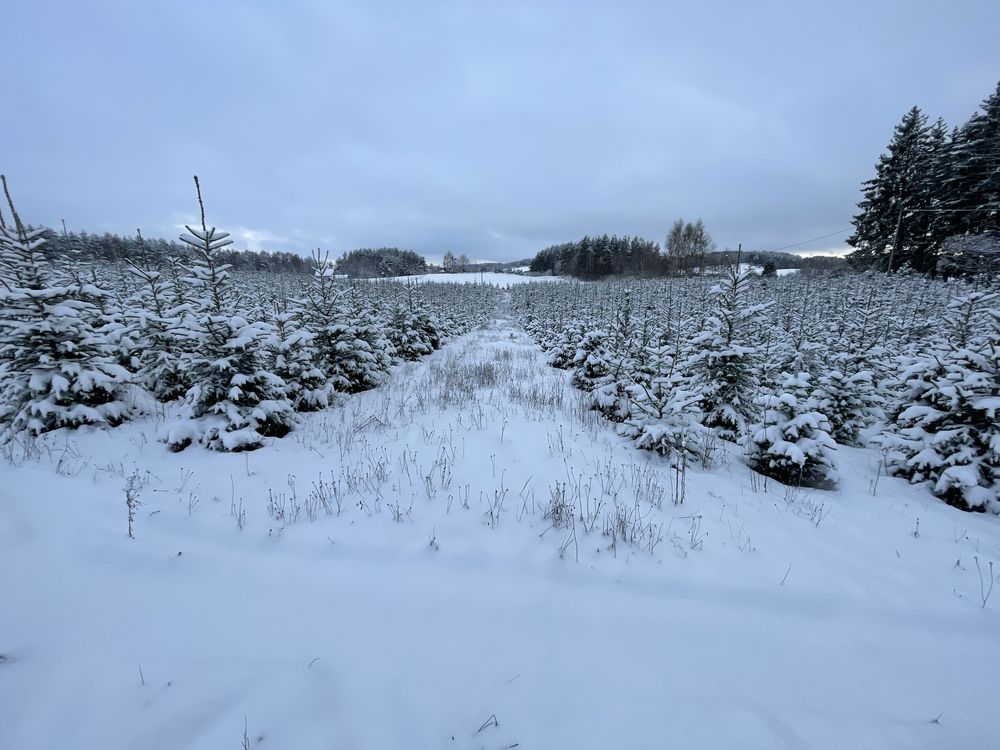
[(390, 261), (109, 248), (610, 255), (780, 260), (597, 257), (381, 262)]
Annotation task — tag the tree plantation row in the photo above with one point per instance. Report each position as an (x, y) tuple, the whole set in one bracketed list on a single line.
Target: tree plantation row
[(95, 345), (789, 368)]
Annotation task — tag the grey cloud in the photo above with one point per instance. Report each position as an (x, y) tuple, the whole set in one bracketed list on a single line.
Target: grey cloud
[(485, 128)]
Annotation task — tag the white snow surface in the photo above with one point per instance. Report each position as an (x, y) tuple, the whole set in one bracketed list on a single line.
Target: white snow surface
[(749, 267), (765, 618), (487, 277)]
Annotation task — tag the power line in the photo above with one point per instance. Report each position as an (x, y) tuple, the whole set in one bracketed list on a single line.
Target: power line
[(814, 239), (954, 210), (910, 210)]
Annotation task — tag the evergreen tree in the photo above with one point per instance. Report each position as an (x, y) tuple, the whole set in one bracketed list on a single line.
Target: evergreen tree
[(971, 194), (796, 343), (936, 221), (610, 394), (850, 402), (361, 355), (930, 193), (294, 361), (408, 341), (946, 428), (381, 262), (369, 330), (723, 362), (112, 248), (664, 414), (563, 349), (235, 403), (592, 362), (591, 258), (860, 343), (350, 347), (160, 362), (792, 442), (889, 231), (411, 330), (55, 367)]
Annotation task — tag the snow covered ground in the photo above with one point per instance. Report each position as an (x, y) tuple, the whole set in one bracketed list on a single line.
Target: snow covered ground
[(425, 567), (490, 277), (749, 267)]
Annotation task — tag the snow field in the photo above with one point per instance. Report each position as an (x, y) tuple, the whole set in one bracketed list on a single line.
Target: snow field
[(469, 557), (487, 277)]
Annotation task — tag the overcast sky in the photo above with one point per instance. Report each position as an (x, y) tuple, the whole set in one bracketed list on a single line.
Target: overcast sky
[(490, 128)]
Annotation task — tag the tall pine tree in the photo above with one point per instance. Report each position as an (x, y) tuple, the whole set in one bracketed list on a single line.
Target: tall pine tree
[(888, 230), (971, 192)]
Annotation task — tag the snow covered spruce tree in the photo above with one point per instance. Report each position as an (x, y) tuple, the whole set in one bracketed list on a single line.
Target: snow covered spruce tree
[(791, 443), (411, 329), (946, 427), (294, 361), (118, 331), (55, 368), (592, 361), (350, 350), (795, 343), (988, 405), (563, 348), (850, 402), (364, 329), (234, 403), (859, 364), (351, 360), (625, 344), (664, 415), (723, 361), (160, 367), (824, 348)]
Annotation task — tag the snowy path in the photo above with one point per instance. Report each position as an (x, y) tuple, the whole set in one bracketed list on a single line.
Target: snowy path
[(748, 618)]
